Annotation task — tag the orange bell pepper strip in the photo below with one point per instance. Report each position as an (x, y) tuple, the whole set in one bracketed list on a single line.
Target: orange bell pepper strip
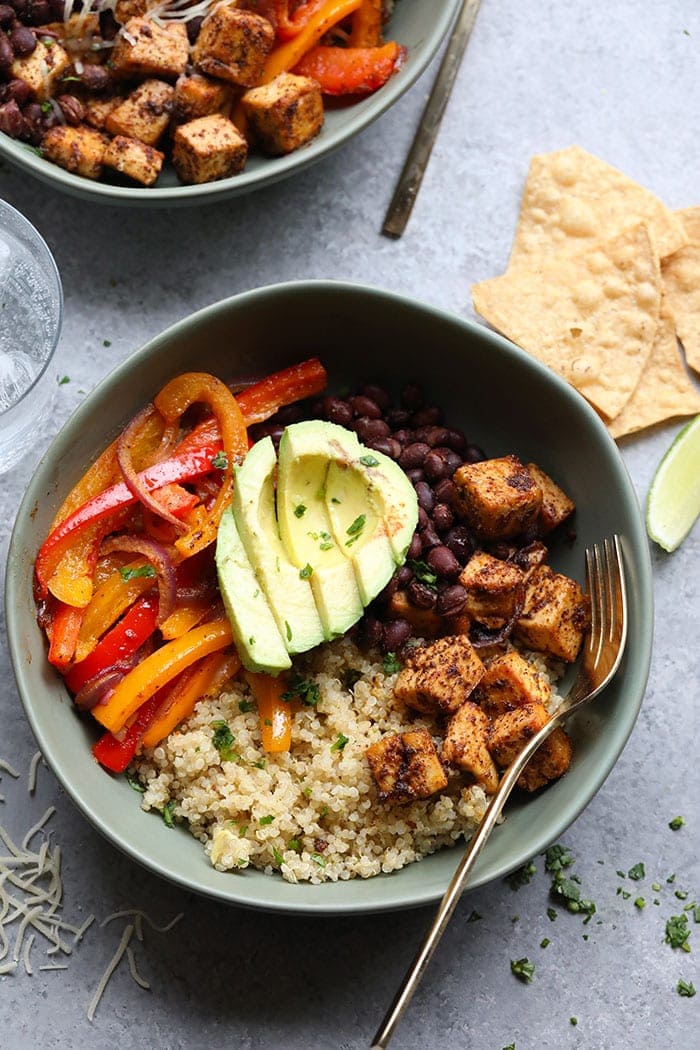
[(367, 25), (65, 628), (351, 70), (110, 600), (184, 618), (263, 399), (275, 713), (206, 678), (158, 669), (285, 57), (172, 401)]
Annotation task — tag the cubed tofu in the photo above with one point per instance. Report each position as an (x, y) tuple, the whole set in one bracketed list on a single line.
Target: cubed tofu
[(42, 69), (146, 49), (233, 45), (528, 558), (511, 731), (284, 114), (551, 760), (498, 497), (439, 676), (97, 109), (426, 623), (466, 745), (509, 681), (555, 615), (125, 10), (198, 96), (208, 148), (556, 505), (495, 589), (144, 114), (406, 766), (76, 27), (134, 158), (79, 150)]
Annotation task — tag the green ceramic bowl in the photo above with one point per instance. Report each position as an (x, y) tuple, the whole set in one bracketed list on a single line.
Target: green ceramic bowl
[(417, 24), (504, 400)]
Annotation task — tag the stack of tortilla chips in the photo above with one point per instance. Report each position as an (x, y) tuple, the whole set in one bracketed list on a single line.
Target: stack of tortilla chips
[(601, 279)]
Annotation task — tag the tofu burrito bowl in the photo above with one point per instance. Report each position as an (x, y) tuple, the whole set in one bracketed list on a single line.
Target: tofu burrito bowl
[(312, 628)]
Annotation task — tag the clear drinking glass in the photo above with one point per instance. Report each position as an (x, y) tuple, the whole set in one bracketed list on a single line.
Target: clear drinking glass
[(31, 312)]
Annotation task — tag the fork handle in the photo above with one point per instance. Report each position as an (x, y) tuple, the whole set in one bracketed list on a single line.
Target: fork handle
[(459, 880)]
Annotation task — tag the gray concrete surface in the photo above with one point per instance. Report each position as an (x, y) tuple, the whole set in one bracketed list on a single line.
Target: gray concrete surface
[(621, 78)]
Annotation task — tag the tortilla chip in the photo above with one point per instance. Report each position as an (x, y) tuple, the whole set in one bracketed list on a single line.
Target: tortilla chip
[(591, 317), (665, 390), (681, 277), (573, 201)]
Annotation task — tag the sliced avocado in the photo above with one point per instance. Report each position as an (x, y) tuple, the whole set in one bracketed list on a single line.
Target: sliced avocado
[(255, 631), (306, 450), (288, 593), (395, 498), (358, 529)]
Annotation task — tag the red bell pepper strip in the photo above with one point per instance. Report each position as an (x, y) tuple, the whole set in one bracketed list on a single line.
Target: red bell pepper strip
[(137, 625), (263, 399), (64, 631), (115, 754), (351, 70), (285, 56)]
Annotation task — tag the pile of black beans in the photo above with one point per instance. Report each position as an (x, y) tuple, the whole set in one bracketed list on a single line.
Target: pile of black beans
[(413, 434)]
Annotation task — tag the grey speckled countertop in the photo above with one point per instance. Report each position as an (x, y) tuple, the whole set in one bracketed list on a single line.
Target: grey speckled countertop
[(621, 78)]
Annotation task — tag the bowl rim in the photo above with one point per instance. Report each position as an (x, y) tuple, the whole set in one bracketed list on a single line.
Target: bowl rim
[(275, 169), (620, 729)]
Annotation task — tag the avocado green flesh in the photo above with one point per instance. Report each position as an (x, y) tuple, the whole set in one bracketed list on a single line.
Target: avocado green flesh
[(289, 595), (393, 495), (255, 631)]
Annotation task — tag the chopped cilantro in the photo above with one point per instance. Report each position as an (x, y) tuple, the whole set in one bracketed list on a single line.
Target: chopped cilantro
[(676, 823), (220, 461), (261, 763), (318, 859), (128, 573), (46, 107), (245, 705), (569, 890), (299, 510), (626, 895), (306, 573), (545, 942), (357, 526), (303, 689), (686, 989), (511, 1046), (391, 664), (369, 461), (656, 886), (523, 969), (522, 876), (696, 913), (671, 878), (279, 860), (294, 844), (677, 932), (640, 903), (557, 857), (351, 676), (106, 342), (266, 820), (288, 629), (573, 1021), (222, 740), (340, 741), (551, 914), (621, 874), (637, 872), (681, 894), (63, 380), (134, 783), (474, 916), (242, 831), (168, 810), (268, 721), (423, 573)]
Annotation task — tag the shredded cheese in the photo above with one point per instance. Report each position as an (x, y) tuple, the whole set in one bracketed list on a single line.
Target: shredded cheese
[(184, 10)]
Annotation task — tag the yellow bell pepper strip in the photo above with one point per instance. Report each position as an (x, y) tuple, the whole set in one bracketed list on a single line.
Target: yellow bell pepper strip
[(275, 713), (64, 631), (158, 669), (351, 70), (206, 678), (172, 402), (110, 600), (290, 53), (367, 25), (184, 618)]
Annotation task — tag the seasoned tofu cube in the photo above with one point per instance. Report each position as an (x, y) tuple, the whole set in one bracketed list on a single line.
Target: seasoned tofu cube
[(555, 615), (498, 497), (426, 623), (528, 558), (42, 69), (494, 589), (466, 745), (144, 114), (79, 150), (406, 766), (208, 148), (136, 159), (439, 676), (233, 45), (284, 114), (509, 681), (198, 96), (146, 49), (556, 505), (125, 10), (550, 761), (97, 110)]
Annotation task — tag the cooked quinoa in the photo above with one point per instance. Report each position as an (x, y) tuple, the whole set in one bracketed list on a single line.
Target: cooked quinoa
[(311, 813)]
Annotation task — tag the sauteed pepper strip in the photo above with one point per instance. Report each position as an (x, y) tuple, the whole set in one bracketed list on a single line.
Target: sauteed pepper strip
[(351, 70), (122, 641), (287, 55), (205, 679), (275, 713), (116, 753), (367, 25), (65, 629)]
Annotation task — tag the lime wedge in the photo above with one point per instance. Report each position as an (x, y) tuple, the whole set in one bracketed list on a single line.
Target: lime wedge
[(673, 503)]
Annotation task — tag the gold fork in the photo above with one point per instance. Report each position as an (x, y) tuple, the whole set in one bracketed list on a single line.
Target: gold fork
[(603, 649)]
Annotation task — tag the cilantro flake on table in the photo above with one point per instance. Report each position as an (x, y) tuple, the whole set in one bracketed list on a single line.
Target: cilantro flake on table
[(573, 1021), (523, 969), (552, 914), (637, 872), (522, 876), (63, 380), (686, 989), (640, 903), (677, 932), (676, 823), (545, 942), (557, 857)]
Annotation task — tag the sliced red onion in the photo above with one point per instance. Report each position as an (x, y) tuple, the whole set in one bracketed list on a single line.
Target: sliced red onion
[(480, 636), (161, 561), (129, 472), (99, 689)]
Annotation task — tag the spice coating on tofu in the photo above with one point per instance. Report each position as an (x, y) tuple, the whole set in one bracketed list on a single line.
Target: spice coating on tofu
[(466, 745), (406, 766), (233, 45), (144, 114), (555, 615), (139, 161), (498, 497), (207, 149), (80, 150), (151, 50), (439, 676), (495, 589), (509, 681), (284, 114)]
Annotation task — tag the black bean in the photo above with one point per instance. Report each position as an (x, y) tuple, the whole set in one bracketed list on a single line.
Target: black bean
[(456, 440), (435, 466), (11, 120), (443, 518), (459, 541), (422, 595), (412, 397), (287, 413), (442, 561), (193, 27), (404, 575), (452, 459), (474, 454), (19, 91), (372, 632), (39, 12), (268, 429), (23, 41), (7, 15), (72, 109), (414, 455), (387, 445), (389, 591), (95, 78), (33, 112), (423, 519), (405, 437), (336, 411), (432, 436), (429, 537), (502, 550), (397, 417), (429, 416), (378, 394), (426, 499), (416, 547), (396, 632), (7, 55), (452, 600), (364, 406), (445, 490), (57, 9), (370, 429), (20, 7), (109, 27), (415, 475)]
